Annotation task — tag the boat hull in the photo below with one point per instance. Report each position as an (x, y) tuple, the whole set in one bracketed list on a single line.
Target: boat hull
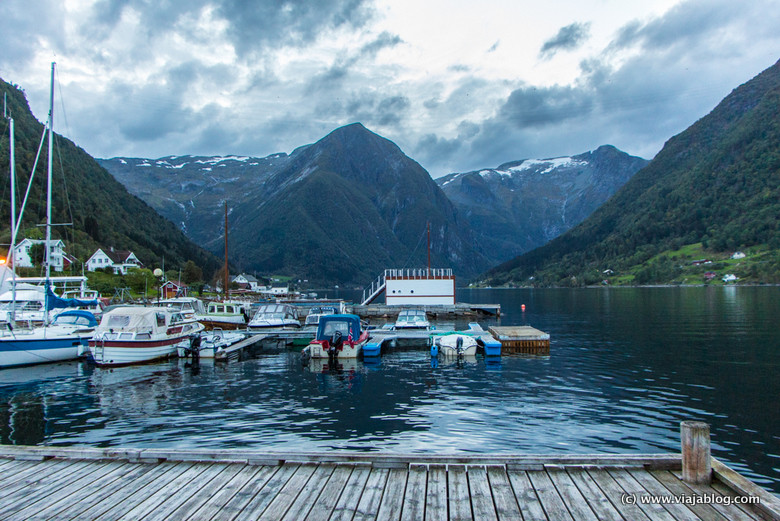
[(457, 345), (21, 351), (347, 351), (112, 353)]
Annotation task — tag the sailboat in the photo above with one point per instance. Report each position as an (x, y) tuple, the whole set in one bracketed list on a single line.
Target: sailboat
[(50, 342)]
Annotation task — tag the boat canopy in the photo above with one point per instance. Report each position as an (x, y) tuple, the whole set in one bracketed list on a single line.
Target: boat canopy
[(347, 325), (128, 318), (77, 317)]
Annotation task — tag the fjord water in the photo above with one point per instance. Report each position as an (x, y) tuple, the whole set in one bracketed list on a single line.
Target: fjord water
[(625, 367)]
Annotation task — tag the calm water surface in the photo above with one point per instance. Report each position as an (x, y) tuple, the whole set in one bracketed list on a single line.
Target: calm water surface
[(625, 367)]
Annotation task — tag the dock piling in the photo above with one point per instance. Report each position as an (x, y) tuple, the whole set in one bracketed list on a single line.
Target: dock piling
[(696, 461)]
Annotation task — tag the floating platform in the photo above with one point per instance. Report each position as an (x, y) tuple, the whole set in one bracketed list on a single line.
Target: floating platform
[(91, 483), (521, 339)]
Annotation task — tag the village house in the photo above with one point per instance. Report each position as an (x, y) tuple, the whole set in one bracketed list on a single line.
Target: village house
[(118, 260), (173, 289), (22, 257), (246, 281)]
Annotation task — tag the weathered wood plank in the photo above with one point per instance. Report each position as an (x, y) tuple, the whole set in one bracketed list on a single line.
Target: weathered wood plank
[(332, 491), (287, 495), (744, 510), (595, 497), (228, 503), (655, 488), (20, 476), (77, 492), (551, 501), (162, 494), (368, 507), (347, 504), (503, 496), (617, 495), (313, 489), (682, 489), (436, 496), (769, 503), (527, 499), (393, 496), (209, 479), (204, 492), (129, 493), (264, 496), (575, 502), (631, 487), (458, 499), (414, 498), (482, 505)]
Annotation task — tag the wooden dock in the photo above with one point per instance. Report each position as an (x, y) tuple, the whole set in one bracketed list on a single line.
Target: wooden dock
[(437, 311), (157, 484), (521, 339)]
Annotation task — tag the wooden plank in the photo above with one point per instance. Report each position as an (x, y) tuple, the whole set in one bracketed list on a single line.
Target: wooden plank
[(631, 487), (331, 492), (32, 489), (482, 505), (20, 475), (127, 494), (135, 497), (745, 510), (503, 495), (414, 498), (616, 495), (236, 494), (595, 497), (393, 496), (769, 505), (526, 496), (575, 502), (656, 488), (718, 489), (76, 493), (436, 496), (311, 491), (268, 492), (192, 491), (160, 495), (681, 489), (199, 497), (458, 488), (351, 495), (551, 501), (289, 492), (368, 507)]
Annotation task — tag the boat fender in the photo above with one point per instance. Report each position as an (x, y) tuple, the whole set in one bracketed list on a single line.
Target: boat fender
[(434, 350)]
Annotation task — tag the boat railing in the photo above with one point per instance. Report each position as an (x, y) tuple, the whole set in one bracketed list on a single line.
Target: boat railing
[(419, 273)]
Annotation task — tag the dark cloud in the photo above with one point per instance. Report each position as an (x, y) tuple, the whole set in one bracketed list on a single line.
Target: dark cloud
[(540, 106), (568, 38), (384, 41)]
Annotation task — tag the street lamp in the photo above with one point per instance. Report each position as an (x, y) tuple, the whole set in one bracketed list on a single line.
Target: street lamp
[(158, 273)]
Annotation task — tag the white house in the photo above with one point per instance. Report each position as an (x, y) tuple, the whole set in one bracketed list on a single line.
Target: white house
[(247, 281), (738, 255), (23, 259), (118, 260)]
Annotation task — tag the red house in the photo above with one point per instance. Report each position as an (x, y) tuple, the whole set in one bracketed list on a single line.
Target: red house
[(173, 289)]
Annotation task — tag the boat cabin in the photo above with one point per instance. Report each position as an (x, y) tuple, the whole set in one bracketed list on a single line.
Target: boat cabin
[(348, 327)]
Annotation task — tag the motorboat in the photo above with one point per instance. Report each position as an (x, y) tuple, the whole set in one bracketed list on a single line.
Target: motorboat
[(455, 344), (133, 334), (338, 336), (317, 312), (412, 319), (209, 343), (64, 339), (224, 315), (190, 307), (274, 316), (29, 306)]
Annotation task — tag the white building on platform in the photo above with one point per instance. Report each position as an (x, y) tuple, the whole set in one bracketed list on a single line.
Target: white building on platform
[(423, 287)]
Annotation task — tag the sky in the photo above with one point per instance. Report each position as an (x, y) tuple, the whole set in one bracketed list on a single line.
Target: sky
[(458, 85)]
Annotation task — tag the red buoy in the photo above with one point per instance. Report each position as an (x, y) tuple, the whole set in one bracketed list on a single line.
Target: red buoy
[(522, 307)]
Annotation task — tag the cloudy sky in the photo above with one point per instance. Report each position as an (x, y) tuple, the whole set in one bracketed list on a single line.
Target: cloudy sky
[(457, 84)]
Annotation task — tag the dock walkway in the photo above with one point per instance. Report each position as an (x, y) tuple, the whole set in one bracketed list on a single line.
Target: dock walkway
[(157, 484)]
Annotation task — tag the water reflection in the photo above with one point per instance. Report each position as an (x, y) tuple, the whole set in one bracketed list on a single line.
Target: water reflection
[(625, 367)]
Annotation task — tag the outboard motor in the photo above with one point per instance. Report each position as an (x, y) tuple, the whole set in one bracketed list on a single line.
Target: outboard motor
[(459, 346), (336, 342)]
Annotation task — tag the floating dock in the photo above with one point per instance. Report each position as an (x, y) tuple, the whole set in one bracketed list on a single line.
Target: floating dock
[(521, 339), (433, 311), (156, 484)]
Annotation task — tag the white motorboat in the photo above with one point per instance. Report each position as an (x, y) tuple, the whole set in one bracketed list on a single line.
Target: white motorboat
[(274, 315), (224, 315), (412, 319), (131, 335), (456, 344), (338, 336), (190, 307), (209, 343), (317, 312)]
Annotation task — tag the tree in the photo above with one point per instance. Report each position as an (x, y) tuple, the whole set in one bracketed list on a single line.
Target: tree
[(191, 273)]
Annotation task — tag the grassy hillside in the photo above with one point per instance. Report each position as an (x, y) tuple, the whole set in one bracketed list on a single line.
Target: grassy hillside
[(717, 183)]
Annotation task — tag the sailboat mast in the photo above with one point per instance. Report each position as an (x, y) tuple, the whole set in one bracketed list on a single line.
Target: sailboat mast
[(10, 258), (49, 176), (227, 276)]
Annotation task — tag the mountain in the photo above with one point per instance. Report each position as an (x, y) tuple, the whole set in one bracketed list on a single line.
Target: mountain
[(102, 212), (340, 210), (715, 185), (524, 204)]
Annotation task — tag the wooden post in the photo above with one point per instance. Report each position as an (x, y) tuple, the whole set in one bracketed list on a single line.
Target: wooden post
[(695, 440)]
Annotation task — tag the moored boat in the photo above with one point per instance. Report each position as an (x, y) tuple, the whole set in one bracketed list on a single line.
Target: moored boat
[(224, 315), (337, 336), (412, 319), (456, 344), (209, 343), (131, 335), (274, 315)]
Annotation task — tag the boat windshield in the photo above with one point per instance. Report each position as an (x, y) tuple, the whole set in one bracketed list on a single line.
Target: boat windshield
[(70, 320)]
